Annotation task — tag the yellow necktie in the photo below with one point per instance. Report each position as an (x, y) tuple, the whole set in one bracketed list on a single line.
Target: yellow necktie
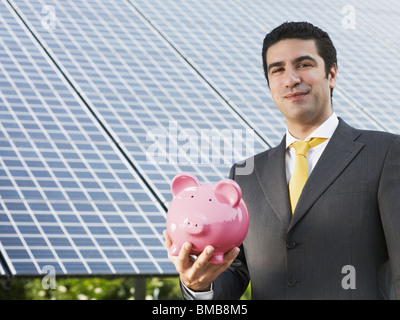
[(300, 172)]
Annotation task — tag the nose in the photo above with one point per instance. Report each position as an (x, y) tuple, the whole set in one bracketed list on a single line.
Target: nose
[(193, 226), (292, 78)]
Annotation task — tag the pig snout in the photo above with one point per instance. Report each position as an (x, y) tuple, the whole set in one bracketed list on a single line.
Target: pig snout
[(194, 225)]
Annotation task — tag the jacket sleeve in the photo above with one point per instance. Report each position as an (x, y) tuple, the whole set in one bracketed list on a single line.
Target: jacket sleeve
[(389, 206)]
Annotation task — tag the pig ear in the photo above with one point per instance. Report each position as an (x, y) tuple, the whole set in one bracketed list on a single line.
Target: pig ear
[(183, 181), (228, 191)]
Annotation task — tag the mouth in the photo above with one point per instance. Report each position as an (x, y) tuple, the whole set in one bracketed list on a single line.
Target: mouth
[(297, 95)]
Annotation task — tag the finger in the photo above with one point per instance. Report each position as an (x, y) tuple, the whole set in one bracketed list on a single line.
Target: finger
[(183, 256), (230, 256), (203, 258)]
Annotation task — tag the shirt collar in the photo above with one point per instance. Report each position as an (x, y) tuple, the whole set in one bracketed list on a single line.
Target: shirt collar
[(325, 130)]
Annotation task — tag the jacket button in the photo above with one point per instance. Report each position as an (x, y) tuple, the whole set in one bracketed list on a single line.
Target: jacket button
[(291, 244), (292, 282)]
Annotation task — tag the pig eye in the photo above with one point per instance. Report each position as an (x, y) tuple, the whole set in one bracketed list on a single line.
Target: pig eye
[(209, 199), (192, 196)]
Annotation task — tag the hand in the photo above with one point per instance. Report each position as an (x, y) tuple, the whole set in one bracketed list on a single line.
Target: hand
[(198, 274)]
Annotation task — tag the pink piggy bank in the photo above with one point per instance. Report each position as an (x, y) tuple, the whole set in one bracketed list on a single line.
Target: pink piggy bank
[(206, 214)]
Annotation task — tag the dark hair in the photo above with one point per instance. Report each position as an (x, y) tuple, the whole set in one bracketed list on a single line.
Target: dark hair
[(304, 31)]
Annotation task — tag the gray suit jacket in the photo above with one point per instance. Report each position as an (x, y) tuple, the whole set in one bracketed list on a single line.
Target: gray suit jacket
[(344, 232)]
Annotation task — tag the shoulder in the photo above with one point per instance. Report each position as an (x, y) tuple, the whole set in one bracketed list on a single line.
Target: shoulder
[(368, 137), (378, 139)]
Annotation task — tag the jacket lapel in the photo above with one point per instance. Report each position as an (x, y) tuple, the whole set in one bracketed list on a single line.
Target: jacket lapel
[(271, 174), (340, 151)]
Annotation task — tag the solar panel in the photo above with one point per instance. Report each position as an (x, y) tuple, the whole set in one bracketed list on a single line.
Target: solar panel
[(68, 197), (103, 102)]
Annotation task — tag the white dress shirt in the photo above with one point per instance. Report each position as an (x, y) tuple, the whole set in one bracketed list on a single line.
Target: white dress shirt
[(325, 130)]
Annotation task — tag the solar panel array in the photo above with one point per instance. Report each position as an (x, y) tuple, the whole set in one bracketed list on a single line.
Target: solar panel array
[(103, 102)]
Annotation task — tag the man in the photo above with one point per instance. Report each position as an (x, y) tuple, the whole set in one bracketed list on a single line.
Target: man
[(336, 234)]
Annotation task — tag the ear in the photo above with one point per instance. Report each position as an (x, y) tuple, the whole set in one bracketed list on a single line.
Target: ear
[(332, 76), (183, 181), (228, 191)]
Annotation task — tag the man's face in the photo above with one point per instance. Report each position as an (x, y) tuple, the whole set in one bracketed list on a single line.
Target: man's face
[(298, 81)]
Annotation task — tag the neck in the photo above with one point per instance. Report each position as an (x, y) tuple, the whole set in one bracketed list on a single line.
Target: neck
[(301, 130)]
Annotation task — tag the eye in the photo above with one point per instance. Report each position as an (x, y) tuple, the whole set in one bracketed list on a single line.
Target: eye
[(304, 65), (277, 70), (192, 196)]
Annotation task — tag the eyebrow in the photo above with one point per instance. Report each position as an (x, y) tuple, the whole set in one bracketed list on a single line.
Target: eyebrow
[(297, 60)]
